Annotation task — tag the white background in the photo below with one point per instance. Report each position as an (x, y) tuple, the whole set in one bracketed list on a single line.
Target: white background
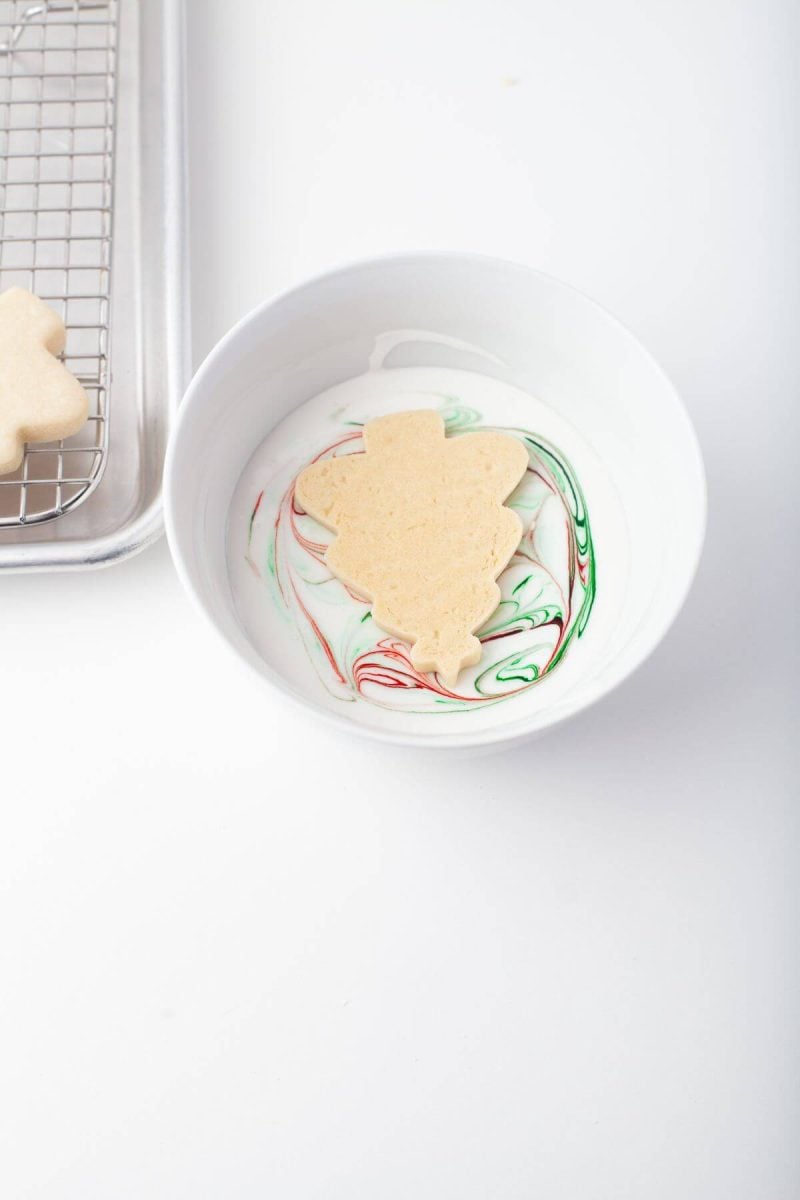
[(245, 958)]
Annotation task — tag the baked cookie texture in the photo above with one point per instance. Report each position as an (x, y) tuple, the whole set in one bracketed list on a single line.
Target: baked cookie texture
[(40, 400), (422, 530)]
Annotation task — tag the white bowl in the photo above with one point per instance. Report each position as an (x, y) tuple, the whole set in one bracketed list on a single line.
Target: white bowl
[(629, 439)]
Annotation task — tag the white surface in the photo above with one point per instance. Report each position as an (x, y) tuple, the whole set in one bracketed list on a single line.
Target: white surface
[(569, 972), (295, 372)]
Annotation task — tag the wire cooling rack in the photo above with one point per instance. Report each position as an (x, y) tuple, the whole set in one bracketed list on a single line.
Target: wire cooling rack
[(57, 77)]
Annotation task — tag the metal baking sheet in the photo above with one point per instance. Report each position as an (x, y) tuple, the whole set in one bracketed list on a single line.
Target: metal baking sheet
[(94, 204)]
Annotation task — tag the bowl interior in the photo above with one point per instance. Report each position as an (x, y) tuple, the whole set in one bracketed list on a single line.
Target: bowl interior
[(592, 389)]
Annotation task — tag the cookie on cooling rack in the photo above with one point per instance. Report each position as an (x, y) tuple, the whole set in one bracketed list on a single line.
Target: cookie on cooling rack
[(40, 400)]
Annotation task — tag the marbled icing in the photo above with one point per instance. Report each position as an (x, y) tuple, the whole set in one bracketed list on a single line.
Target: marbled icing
[(548, 588)]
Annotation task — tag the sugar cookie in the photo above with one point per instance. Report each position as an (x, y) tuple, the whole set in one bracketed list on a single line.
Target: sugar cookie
[(40, 401), (422, 530)]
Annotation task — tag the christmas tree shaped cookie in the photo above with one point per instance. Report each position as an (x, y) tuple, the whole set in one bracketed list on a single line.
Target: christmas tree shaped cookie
[(40, 401), (422, 531)]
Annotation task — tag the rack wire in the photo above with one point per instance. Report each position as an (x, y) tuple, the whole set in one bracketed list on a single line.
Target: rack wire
[(57, 120)]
